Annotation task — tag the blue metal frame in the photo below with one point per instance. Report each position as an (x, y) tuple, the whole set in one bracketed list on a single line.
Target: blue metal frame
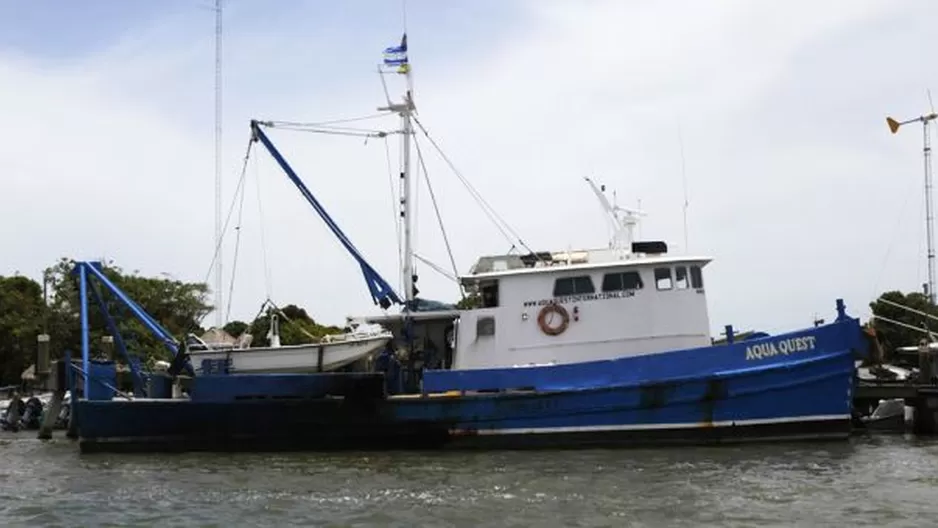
[(85, 272), (119, 341), (381, 292)]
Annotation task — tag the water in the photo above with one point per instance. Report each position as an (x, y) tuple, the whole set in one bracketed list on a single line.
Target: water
[(878, 481)]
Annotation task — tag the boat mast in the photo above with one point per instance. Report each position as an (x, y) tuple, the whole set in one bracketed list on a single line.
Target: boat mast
[(929, 214), (219, 322), (406, 214), (405, 109)]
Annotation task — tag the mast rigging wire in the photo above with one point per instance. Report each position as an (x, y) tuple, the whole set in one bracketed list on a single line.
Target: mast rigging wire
[(500, 223), (439, 217)]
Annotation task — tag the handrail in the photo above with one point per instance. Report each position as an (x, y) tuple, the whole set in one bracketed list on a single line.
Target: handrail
[(102, 382)]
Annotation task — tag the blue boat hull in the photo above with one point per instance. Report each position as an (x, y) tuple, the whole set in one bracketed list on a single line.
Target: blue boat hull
[(763, 390)]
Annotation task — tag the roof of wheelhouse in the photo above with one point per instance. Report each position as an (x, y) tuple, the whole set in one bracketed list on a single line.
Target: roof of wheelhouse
[(497, 266)]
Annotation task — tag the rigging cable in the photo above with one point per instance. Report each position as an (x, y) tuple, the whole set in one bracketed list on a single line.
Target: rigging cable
[(244, 167), (333, 121), (294, 323), (500, 224), (439, 217), (354, 132), (234, 264), (395, 212), (415, 212), (268, 282)]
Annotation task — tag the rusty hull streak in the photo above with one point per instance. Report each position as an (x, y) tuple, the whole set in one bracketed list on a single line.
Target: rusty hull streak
[(716, 391)]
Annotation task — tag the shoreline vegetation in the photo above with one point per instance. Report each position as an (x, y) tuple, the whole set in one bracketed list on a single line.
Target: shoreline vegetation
[(29, 308)]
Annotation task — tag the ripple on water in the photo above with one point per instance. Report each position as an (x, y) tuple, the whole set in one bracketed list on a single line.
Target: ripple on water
[(871, 482)]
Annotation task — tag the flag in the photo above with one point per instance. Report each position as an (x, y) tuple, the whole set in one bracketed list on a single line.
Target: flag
[(397, 56)]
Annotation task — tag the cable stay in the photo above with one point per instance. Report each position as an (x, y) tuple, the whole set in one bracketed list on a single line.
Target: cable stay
[(234, 264), (510, 234), (268, 283), (332, 128), (381, 292), (238, 190), (395, 214), (439, 219), (438, 269)]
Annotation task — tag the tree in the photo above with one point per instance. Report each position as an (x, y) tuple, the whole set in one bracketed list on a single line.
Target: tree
[(297, 328), (892, 335), (178, 306), (21, 313), (469, 302), (235, 328)]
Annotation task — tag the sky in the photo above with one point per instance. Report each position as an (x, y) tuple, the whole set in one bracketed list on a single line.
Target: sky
[(776, 112)]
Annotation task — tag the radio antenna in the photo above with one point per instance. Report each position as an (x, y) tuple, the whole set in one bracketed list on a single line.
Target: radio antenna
[(680, 140)]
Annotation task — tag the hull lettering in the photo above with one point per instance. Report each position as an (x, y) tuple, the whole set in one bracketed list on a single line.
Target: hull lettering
[(792, 345)]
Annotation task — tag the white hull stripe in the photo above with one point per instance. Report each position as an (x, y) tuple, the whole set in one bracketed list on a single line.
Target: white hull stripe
[(653, 426)]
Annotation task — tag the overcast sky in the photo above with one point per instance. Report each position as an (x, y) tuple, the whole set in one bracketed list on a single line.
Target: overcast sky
[(796, 187)]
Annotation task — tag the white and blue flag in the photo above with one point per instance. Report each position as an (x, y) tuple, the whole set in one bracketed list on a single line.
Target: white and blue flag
[(397, 56)]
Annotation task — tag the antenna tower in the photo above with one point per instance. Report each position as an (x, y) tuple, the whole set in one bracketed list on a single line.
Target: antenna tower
[(218, 265), (929, 213)]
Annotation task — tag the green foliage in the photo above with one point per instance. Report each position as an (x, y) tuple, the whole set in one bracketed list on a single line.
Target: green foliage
[(892, 335), (21, 311), (235, 328), (469, 302), (301, 328), (177, 306)]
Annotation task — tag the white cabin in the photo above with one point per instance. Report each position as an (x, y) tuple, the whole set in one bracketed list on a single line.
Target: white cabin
[(597, 304)]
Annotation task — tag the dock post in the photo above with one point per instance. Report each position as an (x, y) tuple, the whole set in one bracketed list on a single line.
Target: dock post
[(926, 414), (926, 363), (51, 413), (72, 385)]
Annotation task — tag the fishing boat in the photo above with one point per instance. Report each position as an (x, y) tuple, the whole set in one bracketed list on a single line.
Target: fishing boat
[(599, 347)]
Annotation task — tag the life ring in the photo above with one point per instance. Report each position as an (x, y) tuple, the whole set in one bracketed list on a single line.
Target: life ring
[(555, 329)]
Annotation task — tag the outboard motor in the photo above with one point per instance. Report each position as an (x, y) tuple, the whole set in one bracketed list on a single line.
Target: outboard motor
[(61, 421), (32, 416), (11, 420)]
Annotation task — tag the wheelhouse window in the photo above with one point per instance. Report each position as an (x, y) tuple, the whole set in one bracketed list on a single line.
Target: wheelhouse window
[(680, 277), (696, 277), (663, 279), (489, 293), (573, 286), (627, 280)]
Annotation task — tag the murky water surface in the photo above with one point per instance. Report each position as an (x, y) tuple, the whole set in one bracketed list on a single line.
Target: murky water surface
[(879, 481)]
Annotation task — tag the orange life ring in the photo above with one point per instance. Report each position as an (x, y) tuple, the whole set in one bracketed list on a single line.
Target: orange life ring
[(553, 330)]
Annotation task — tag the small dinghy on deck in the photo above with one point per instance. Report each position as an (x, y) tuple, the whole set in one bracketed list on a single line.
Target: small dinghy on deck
[(332, 352)]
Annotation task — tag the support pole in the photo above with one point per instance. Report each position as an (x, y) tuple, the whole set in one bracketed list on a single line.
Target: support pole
[(119, 341), (85, 345), (929, 211)]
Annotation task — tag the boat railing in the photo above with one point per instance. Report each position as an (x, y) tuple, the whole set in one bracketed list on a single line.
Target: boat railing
[(100, 381)]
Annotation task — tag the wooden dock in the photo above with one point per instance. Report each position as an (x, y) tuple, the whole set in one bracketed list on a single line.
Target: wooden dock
[(923, 398)]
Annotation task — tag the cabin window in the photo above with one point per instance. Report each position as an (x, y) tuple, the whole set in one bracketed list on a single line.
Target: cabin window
[(663, 278), (485, 326), (489, 293), (680, 277), (696, 277), (628, 280), (573, 286)]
